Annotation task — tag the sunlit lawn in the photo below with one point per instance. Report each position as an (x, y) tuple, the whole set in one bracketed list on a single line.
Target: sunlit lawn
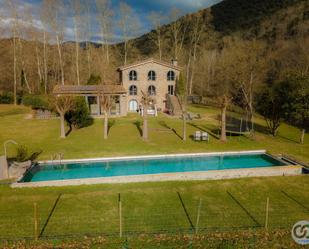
[(125, 139), (154, 207), (148, 207)]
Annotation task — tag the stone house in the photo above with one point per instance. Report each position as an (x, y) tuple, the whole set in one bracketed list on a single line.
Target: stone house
[(155, 77)]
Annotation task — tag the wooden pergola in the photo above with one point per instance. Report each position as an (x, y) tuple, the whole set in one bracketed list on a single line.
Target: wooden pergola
[(92, 91)]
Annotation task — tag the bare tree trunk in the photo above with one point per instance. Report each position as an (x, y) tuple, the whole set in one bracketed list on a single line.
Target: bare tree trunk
[(77, 55), (145, 123), (45, 62), (107, 53), (62, 129), (105, 124), (60, 59), (159, 47), (184, 123), (125, 52), (223, 120), (23, 65), (88, 60), (38, 67), (302, 136), (188, 73), (15, 69)]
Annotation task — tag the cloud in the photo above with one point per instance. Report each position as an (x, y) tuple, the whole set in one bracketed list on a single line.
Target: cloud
[(142, 8)]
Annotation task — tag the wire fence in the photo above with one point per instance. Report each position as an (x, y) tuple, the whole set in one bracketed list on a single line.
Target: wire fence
[(122, 219)]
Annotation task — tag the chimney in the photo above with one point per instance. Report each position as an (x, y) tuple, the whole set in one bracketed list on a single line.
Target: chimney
[(175, 62)]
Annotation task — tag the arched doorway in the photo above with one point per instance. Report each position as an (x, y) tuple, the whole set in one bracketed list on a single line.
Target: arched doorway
[(133, 105)]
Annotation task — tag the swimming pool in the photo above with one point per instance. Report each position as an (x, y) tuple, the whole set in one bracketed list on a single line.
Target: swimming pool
[(149, 166)]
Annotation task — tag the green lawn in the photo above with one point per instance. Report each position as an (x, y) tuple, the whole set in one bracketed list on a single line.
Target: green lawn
[(226, 205), (124, 137)]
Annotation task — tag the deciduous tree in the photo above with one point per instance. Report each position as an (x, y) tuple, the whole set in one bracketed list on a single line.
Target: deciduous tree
[(157, 19), (146, 101), (181, 93), (106, 105), (62, 104), (129, 25)]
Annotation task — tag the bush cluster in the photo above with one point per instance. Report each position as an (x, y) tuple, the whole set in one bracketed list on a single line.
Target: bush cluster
[(23, 154), (36, 102), (79, 116), (6, 98)]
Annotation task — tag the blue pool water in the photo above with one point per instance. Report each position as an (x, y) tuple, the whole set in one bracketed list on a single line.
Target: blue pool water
[(147, 166)]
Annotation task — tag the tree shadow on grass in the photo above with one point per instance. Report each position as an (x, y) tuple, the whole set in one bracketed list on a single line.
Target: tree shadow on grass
[(138, 125), (50, 215), (69, 130), (111, 123), (165, 125)]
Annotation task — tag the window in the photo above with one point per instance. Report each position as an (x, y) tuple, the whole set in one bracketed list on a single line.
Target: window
[(152, 90), (152, 75), (170, 89), (171, 76), (133, 75), (133, 90)]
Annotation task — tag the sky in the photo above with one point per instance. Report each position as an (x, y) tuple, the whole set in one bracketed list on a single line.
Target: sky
[(141, 8)]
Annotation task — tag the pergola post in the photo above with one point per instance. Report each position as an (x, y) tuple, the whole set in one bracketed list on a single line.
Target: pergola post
[(99, 105)]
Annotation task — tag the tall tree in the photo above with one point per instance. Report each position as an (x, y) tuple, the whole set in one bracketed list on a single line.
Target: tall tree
[(62, 104), (129, 25), (157, 19), (45, 22), (22, 36), (222, 88), (77, 9), (248, 72), (198, 26), (106, 105), (295, 93), (146, 101), (34, 36), (13, 12), (177, 30), (181, 93), (105, 18), (54, 13)]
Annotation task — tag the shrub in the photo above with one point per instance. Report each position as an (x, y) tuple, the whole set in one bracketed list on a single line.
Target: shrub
[(23, 154), (6, 98), (36, 102), (79, 117), (94, 80)]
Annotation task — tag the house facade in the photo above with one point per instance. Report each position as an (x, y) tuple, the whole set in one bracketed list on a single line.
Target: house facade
[(151, 76)]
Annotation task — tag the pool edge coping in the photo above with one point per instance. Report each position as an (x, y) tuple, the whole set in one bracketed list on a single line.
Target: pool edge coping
[(287, 170), (155, 156)]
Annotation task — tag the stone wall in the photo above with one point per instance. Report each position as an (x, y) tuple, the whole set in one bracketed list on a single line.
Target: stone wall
[(161, 83)]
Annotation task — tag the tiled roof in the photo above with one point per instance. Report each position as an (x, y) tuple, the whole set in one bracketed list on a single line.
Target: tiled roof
[(89, 89), (150, 60)]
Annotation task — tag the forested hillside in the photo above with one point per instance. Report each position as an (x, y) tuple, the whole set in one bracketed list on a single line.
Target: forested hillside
[(196, 36), (250, 54)]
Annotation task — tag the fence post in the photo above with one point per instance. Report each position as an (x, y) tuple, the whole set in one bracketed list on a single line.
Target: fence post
[(120, 215), (35, 209), (267, 213), (198, 216)]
